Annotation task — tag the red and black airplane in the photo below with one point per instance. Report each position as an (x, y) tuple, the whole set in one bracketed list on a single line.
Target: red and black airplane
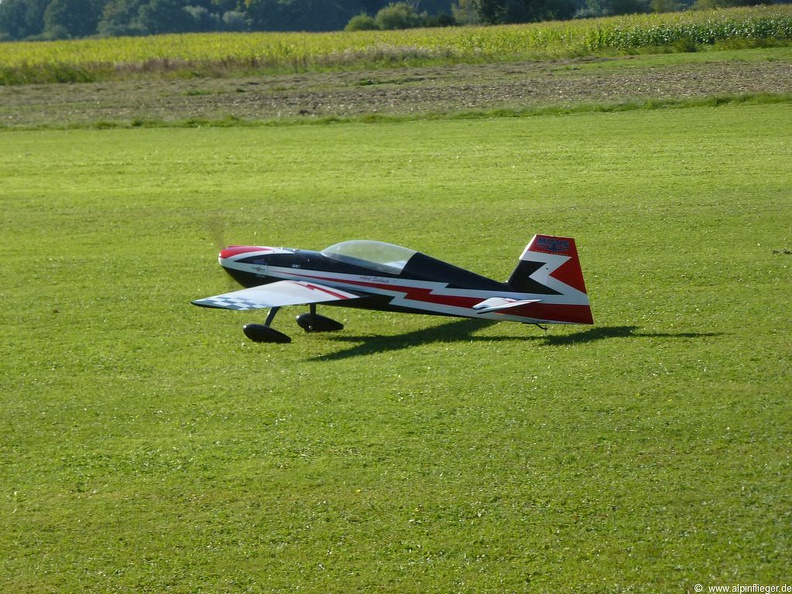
[(546, 287)]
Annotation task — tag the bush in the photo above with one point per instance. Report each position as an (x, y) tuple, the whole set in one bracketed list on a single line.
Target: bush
[(440, 20), (398, 16), (235, 21), (361, 22)]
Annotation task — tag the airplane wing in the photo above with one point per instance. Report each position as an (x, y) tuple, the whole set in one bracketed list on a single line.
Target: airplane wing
[(275, 294), (501, 303)]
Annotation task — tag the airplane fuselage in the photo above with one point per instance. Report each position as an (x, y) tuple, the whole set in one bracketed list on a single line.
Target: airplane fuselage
[(419, 284)]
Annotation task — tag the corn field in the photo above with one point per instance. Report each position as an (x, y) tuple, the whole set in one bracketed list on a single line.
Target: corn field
[(225, 54)]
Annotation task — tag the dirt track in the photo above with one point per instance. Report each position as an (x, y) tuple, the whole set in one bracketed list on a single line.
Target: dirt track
[(393, 92)]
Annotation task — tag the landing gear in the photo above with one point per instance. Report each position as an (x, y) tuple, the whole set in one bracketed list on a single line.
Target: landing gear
[(310, 322), (261, 333), (264, 333)]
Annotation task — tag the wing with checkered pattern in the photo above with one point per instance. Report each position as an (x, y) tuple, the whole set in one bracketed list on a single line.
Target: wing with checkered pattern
[(277, 294)]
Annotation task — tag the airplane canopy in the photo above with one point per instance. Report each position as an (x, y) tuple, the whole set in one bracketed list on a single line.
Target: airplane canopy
[(384, 257)]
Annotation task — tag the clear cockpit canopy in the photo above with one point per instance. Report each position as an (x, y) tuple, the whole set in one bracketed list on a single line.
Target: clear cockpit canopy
[(377, 255)]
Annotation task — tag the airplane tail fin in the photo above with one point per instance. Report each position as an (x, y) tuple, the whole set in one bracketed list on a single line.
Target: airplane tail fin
[(550, 267)]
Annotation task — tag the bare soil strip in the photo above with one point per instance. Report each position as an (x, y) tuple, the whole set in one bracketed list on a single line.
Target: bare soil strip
[(397, 92)]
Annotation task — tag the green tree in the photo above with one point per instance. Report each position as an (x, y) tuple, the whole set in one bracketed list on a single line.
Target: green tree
[(665, 5), (234, 20), (465, 12), (20, 19), (201, 19), (121, 17), (301, 15), (263, 14), (13, 19), (361, 22), (221, 6), (72, 18), (165, 16), (710, 4), (616, 7), (491, 12), (399, 15), (494, 12)]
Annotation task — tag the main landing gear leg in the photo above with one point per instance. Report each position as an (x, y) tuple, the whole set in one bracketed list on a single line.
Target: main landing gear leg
[(265, 333), (313, 322)]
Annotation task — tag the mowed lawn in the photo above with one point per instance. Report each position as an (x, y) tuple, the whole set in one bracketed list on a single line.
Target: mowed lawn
[(147, 446)]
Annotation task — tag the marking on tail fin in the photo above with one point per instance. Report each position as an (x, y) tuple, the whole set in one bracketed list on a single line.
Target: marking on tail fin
[(566, 268), (552, 244)]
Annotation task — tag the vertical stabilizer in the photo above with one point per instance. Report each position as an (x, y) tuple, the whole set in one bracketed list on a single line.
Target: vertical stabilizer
[(550, 266)]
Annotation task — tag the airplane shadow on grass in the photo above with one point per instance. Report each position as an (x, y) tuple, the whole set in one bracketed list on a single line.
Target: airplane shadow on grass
[(464, 331)]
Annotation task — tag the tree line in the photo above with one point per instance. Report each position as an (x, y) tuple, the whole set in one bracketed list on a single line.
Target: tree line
[(69, 19)]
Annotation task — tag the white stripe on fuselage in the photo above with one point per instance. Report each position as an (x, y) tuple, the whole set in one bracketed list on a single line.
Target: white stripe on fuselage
[(399, 290)]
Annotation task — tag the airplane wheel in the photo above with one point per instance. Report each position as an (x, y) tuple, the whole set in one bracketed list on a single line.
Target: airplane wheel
[(261, 333), (317, 323)]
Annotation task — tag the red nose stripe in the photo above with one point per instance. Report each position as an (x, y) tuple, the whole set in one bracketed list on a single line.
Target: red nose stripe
[(235, 250)]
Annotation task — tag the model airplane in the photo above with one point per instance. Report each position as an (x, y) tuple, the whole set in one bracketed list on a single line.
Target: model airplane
[(546, 287)]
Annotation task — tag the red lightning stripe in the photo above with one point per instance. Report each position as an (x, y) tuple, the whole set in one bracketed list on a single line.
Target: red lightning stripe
[(418, 294), (324, 289), (578, 314)]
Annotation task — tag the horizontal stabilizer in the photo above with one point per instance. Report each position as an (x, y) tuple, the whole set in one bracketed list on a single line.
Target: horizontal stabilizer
[(277, 294), (501, 303)]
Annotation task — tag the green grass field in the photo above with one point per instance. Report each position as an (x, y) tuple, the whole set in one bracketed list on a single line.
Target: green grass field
[(147, 446)]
